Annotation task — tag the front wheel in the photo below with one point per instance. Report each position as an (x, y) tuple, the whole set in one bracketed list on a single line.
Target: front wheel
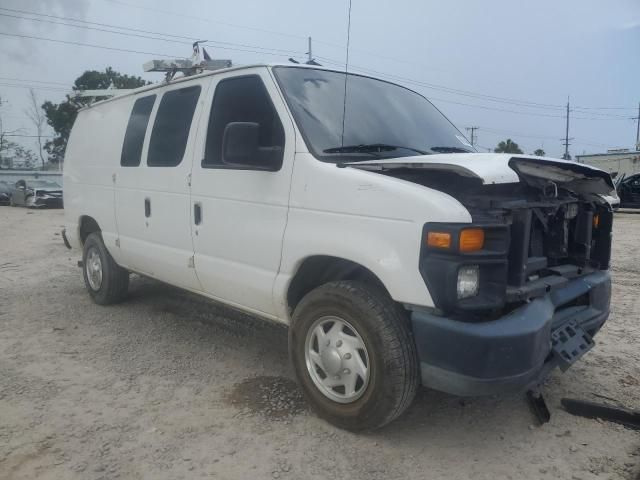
[(105, 280), (353, 354)]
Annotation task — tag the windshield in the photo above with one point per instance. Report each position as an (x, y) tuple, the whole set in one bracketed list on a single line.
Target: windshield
[(381, 120)]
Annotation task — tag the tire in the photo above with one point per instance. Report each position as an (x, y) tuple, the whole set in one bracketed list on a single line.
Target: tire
[(390, 354), (111, 283)]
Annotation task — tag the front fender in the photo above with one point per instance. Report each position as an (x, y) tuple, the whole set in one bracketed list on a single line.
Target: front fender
[(388, 248)]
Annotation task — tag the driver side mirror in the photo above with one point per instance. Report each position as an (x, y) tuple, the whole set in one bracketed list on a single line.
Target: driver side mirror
[(240, 144)]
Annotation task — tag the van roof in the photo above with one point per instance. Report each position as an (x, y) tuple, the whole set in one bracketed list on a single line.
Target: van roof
[(206, 73)]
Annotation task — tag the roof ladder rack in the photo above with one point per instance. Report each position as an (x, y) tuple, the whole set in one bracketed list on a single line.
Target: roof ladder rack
[(188, 66)]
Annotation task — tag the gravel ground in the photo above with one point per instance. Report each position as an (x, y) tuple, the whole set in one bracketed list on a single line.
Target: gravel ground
[(167, 385)]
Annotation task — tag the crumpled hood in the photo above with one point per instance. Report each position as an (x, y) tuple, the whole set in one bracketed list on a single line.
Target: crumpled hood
[(495, 168)]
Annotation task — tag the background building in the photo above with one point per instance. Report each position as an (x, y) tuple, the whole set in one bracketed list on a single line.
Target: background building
[(615, 162)]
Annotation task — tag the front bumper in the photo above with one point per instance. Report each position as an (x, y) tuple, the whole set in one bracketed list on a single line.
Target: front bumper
[(46, 202), (513, 352)]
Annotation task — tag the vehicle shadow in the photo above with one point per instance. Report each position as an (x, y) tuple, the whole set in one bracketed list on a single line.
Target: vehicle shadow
[(218, 324), (261, 348)]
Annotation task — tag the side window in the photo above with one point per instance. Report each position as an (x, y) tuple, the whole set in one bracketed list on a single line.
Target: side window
[(171, 127), (136, 129), (245, 99)]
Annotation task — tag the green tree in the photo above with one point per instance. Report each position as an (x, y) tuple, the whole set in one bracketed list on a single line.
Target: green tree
[(539, 152), (507, 146), (60, 116)]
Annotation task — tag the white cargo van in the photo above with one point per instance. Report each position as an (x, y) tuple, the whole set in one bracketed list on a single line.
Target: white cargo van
[(396, 254)]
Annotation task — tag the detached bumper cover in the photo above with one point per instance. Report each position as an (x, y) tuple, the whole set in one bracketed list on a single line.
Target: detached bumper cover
[(512, 352), (49, 202)]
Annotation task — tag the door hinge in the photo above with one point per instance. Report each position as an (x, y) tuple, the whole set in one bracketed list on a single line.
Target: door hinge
[(113, 177), (189, 179), (192, 262), (118, 242)]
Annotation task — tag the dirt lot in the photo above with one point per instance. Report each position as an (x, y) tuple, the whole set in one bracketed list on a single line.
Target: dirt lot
[(168, 385)]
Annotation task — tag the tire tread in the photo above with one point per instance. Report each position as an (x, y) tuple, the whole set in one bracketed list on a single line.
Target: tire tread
[(400, 357), (115, 278)]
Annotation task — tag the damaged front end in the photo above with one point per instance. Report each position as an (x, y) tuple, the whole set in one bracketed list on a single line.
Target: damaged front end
[(541, 232), (542, 289)]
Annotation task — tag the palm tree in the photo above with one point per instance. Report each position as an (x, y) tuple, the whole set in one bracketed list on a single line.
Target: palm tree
[(508, 146)]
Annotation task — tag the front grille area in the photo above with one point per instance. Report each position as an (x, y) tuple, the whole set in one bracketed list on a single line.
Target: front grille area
[(549, 245)]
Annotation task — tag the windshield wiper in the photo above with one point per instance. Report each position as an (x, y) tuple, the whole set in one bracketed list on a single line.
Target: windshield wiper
[(371, 148), (450, 150)]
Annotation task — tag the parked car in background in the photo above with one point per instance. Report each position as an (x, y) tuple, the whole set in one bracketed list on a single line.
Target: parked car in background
[(5, 193), (629, 191), (36, 193)]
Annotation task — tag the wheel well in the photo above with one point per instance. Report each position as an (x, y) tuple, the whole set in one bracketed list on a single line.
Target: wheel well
[(321, 269), (87, 226)]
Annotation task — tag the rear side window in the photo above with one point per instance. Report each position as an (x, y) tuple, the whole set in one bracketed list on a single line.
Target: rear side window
[(136, 129), (244, 99), (171, 127)]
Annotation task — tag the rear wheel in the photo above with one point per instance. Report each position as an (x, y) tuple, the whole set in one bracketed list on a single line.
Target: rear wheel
[(354, 355), (104, 279)]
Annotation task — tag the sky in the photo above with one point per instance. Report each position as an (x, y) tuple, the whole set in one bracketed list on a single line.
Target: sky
[(507, 67)]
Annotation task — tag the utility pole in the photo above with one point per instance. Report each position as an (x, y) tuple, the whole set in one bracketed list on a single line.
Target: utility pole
[(310, 52), (566, 136), (473, 136), (638, 130)]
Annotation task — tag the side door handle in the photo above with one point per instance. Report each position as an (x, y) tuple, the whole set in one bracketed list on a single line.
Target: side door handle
[(197, 213), (147, 207)]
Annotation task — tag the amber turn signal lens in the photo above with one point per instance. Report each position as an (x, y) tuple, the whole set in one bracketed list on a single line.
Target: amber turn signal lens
[(596, 221), (439, 239), (471, 239)]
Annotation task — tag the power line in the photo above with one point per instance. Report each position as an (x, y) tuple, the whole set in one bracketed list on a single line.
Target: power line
[(510, 132), (36, 87), (265, 50), (604, 108), (33, 37), (484, 107), (446, 89), (207, 20), (273, 32), (535, 114), (27, 136), (500, 132), (189, 41), (466, 93), (3, 78), (173, 56)]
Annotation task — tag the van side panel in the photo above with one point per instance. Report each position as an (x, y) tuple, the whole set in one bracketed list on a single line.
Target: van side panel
[(244, 213), (93, 152), (367, 218)]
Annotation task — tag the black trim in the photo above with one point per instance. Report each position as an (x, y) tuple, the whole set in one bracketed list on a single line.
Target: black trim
[(152, 159), (439, 267), (142, 106), (512, 352), (275, 111)]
